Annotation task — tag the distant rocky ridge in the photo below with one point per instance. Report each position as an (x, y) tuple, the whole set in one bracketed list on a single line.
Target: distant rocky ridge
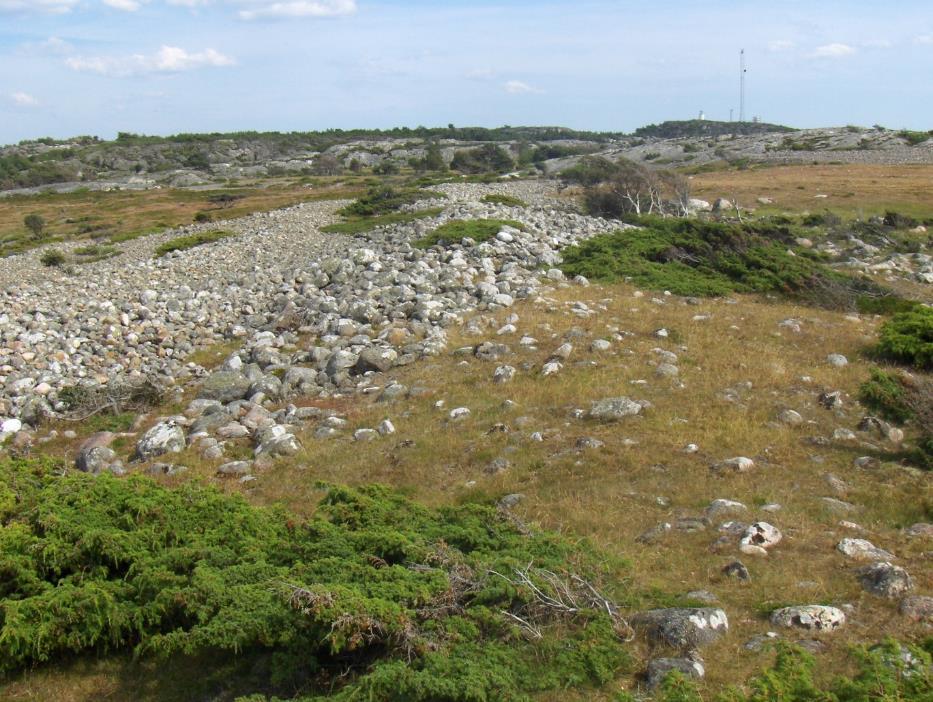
[(139, 162)]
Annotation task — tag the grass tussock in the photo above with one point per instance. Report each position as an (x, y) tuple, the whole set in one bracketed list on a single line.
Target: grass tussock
[(183, 243), (479, 230)]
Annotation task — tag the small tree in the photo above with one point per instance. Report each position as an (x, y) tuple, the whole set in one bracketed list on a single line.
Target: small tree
[(35, 224)]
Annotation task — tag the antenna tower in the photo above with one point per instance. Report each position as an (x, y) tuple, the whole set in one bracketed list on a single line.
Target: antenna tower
[(742, 85)]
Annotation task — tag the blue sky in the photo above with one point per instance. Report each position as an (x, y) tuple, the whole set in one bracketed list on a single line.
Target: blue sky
[(165, 66)]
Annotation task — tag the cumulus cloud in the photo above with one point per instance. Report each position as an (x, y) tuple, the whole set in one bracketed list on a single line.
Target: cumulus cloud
[(168, 59), (517, 87), (125, 5), (52, 7), (21, 99), (833, 51), (298, 8)]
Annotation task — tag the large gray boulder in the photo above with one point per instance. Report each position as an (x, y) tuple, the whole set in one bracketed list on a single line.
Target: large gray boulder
[(660, 668), (376, 359), (225, 386), (164, 437), (614, 408), (885, 580), (809, 618), (683, 628)]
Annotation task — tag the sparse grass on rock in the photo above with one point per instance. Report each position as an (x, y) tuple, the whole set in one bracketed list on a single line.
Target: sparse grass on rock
[(183, 243), (507, 200), (479, 230), (358, 225)]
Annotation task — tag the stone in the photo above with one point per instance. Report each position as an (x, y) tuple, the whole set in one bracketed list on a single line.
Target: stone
[(235, 469), (164, 437), (365, 435), (917, 608), (386, 427), (720, 507), (683, 628), (376, 359), (459, 414), (837, 360), (277, 441), (761, 534), (885, 580), (737, 569), (225, 386), (10, 426), (809, 618), (503, 374), (614, 408), (790, 417), (660, 668), (863, 550), (739, 464), (95, 460)]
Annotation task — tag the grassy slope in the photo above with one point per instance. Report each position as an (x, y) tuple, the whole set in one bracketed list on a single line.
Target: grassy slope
[(853, 189), (610, 494), (122, 215)]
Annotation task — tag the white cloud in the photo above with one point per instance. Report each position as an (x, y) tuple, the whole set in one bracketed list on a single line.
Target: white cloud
[(125, 5), (298, 8), (877, 44), (833, 51), (52, 7), (517, 87), (168, 59), (925, 39), (481, 74), (780, 45), (21, 99)]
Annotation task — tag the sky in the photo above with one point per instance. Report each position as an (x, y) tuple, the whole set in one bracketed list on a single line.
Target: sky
[(73, 67)]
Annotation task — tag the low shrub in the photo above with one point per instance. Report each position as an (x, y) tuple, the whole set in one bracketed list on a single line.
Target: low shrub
[(507, 200), (52, 258), (479, 230), (202, 216), (907, 338), (695, 257), (183, 243), (374, 597), (358, 225), (824, 219), (382, 200), (914, 137), (899, 221), (904, 398)]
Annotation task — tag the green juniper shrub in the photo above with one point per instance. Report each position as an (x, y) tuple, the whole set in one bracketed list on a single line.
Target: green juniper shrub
[(479, 230), (385, 199), (358, 225), (373, 597), (695, 257), (35, 224), (52, 258), (899, 221), (907, 338)]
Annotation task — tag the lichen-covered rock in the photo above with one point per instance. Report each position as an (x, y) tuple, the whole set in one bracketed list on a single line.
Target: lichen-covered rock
[(809, 618), (660, 668), (863, 550), (683, 628), (885, 580), (917, 608), (164, 437), (614, 408), (225, 386)]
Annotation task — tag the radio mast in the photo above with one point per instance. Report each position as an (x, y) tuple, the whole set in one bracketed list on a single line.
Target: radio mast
[(742, 85)]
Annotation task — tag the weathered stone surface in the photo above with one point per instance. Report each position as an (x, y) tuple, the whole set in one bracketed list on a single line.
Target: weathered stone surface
[(225, 386), (917, 608), (683, 628), (660, 668), (164, 437), (809, 617), (885, 580), (862, 550), (614, 408)]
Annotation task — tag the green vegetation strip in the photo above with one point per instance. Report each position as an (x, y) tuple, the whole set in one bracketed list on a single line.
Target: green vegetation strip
[(183, 243), (506, 200), (358, 225), (907, 338), (384, 200), (374, 597), (700, 258), (479, 230)]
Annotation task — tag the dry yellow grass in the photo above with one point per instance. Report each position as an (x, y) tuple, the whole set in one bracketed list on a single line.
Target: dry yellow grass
[(854, 189), (611, 495)]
